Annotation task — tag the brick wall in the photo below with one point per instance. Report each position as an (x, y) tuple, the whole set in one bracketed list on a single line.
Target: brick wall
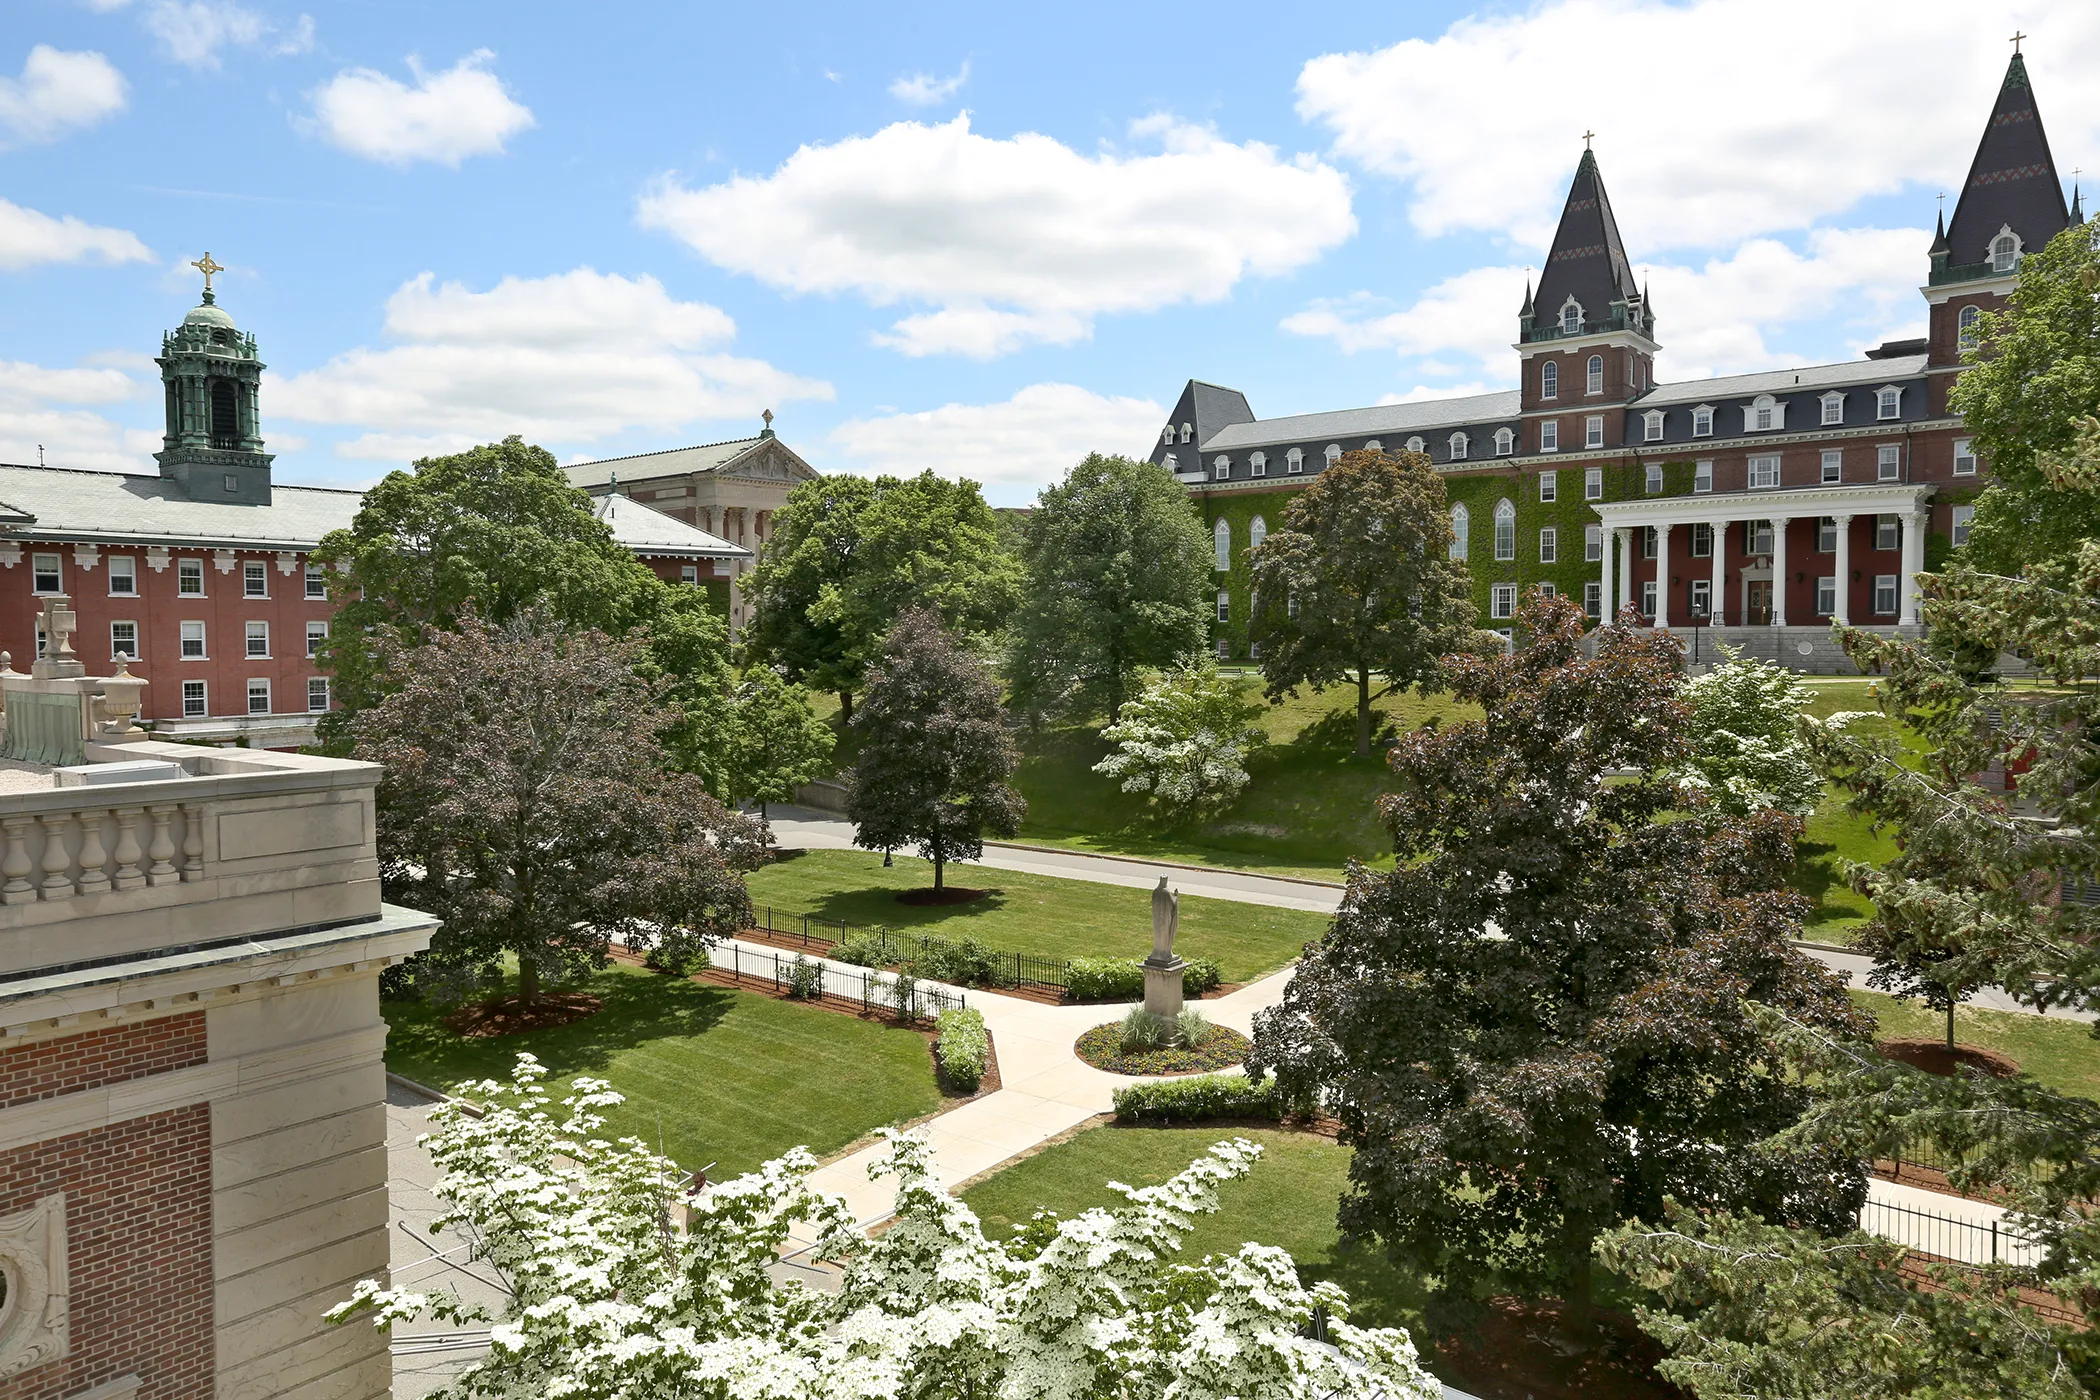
[(138, 1220), (110, 1055)]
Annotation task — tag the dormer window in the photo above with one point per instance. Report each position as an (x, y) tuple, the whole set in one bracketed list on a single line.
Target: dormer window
[(1652, 425), (1187, 432), (1833, 408), (1965, 326), (1571, 317), (1505, 442), (1374, 445), (1334, 453), (1549, 380), (1415, 444), (1166, 436), (1168, 462), (2005, 250), (1888, 402), (1703, 420), (1458, 447), (1257, 465), (1596, 374), (1763, 414), (1294, 461), (1221, 469)]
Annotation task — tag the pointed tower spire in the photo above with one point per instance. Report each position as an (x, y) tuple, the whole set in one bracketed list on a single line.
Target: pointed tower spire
[(1939, 233), (1526, 311), (2012, 188), (1588, 266), (2077, 206)]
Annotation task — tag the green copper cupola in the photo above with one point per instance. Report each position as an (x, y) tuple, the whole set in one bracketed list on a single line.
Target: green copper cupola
[(213, 446)]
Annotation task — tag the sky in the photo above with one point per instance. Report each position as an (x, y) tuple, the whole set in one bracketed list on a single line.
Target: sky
[(980, 239)]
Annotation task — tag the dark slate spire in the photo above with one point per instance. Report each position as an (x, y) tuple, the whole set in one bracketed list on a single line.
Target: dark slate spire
[(1939, 234), (1526, 311), (1588, 261), (2077, 206), (2012, 183)]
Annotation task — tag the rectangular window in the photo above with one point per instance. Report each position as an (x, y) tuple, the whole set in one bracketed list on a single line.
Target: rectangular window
[(1702, 422), (1764, 473), (1760, 532), (1655, 478), (1549, 437), (189, 578), (1221, 469), (689, 575), (1888, 462), (1648, 598), (46, 574), (1702, 540), (316, 633), (1888, 404), (1702, 597), (1833, 410), (1826, 536), (1702, 476), (1549, 486), (1964, 458), (1826, 597), (124, 640), (255, 580), (1887, 533), (1652, 427), (1593, 484), (1833, 466), (1224, 606), (1593, 544), (1593, 601), (1547, 590), (258, 639), (1502, 600), (1648, 541), (258, 697), (1593, 430), (192, 641), (124, 577), (193, 700), (316, 581), (1885, 594), (1258, 465), (316, 694), (1549, 545), (1964, 517), (1224, 649)]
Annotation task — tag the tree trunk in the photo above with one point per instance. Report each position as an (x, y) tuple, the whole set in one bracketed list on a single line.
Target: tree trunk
[(1950, 1025), (1363, 713), (528, 981), (1577, 1307), (845, 707), (939, 859)]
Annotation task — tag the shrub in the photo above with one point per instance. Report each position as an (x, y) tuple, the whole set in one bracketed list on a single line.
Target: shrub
[(1198, 1097), (1193, 1026), (1200, 976), (1123, 979), (964, 1046), (904, 995), (805, 979), (862, 948), (1142, 1030), (961, 962)]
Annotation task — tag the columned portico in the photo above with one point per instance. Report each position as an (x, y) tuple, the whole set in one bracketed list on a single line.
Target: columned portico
[(1779, 579), (1625, 539), (1662, 574), (1717, 606), (1913, 527)]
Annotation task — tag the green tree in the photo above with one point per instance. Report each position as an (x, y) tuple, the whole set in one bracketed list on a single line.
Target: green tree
[(1747, 750), (848, 555), (936, 756), (1537, 1025), (529, 802), (498, 529), (775, 743), (1184, 741), (1117, 567), (1359, 585)]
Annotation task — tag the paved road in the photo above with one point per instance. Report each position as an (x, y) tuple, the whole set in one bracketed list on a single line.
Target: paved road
[(800, 826)]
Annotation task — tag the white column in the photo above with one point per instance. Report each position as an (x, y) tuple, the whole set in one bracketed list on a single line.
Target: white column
[(1625, 538), (1779, 525), (1662, 575), (1604, 575), (1718, 613), (1844, 569), (1913, 556)]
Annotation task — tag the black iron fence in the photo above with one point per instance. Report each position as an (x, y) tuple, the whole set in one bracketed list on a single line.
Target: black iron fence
[(1983, 1239), (945, 959), (813, 979)]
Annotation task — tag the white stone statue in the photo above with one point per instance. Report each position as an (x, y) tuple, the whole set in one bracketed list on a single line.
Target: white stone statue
[(1163, 991)]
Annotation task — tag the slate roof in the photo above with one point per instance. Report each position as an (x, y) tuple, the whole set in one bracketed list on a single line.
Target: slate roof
[(85, 505), (2012, 180), (1781, 381), (1359, 422), (646, 530), (675, 461), (1588, 261)]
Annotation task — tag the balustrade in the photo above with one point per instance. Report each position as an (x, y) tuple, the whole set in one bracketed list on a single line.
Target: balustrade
[(98, 849)]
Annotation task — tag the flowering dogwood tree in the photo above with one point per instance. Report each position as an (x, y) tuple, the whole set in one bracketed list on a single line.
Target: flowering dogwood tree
[(621, 1290), (1184, 742), (1747, 749)]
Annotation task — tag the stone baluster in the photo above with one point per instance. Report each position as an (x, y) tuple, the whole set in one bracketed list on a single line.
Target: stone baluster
[(161, 849), (16, 865), (192, 842), (93, 855), (58, 863), (129, 876)]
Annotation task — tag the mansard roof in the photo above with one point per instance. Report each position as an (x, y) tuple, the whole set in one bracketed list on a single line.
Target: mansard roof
[(1804, 378), (2012, 181), (1417, 416), (1588, 261)]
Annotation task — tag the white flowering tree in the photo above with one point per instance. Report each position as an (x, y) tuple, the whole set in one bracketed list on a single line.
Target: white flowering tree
[(1747, 749), (1184, 742), (618, 1294)]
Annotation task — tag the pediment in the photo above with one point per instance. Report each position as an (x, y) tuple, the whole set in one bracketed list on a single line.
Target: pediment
[(769, 460)]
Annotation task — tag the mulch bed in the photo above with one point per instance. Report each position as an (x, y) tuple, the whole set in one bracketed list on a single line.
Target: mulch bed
[(1520, 1355), (1934, 1057), (509, 1016), (1102, 1047), (948, 894), (987, 1085)]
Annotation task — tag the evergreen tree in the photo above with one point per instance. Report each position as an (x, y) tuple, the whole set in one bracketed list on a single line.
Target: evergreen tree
[(848, 555), (1535, 1026), (1118, 566), (776, 743), (936, 756), (1359, 585)]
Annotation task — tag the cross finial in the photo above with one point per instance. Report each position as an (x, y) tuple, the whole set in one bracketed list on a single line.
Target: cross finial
[(2016, 38), (1586, 139), (206, 266)]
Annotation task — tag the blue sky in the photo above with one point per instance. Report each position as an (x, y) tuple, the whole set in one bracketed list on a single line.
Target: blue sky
[(981, 239)]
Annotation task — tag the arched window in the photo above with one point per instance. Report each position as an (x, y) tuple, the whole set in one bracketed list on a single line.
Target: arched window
[(1221, 468), (1761, 412), (1505, 441), (1966, 323), (1294, 460), (1505, 529), (1458, 447), (2005, 253), (1461, 520), (225, 413), (1187, 432), (1258, 464), (1571, 317), (1596, 385), (1415, 444), (1221, 544), (1257, 532), (1334, 453), (1549, 380), (1374, 445)]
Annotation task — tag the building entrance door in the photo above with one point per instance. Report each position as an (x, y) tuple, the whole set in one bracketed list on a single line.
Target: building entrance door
[(1759, 611)]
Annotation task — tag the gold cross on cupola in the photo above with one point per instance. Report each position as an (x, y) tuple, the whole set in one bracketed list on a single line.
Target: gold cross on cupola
[(206, 266)]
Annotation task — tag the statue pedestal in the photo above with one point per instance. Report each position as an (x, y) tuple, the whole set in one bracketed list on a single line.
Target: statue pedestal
[(1163, 993)]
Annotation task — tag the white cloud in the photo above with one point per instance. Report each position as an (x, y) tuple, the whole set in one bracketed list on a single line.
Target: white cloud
[(445, 117), (1014, 241), (567, 359), (59, 91), (1752, 115), (1022, 444), (1439, 391), (193, 31), (924, 90), (28, 238), (55, 409)]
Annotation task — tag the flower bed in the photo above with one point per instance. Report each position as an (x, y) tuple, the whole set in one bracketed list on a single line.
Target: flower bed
[(1102, 1047)]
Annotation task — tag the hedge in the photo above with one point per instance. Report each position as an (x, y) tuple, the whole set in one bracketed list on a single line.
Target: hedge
[(965, 1049), (1199, 1097), (1123, 979)]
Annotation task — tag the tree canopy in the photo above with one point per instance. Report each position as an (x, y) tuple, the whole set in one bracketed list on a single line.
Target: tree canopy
[(1359, 585), (1747, 750), (1536, 1026), (848, 555), (1118, 571), (775, 743), (936, 755), (1184, 741)]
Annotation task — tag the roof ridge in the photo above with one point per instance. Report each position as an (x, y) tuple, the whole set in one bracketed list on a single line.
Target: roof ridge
[(662, 451)]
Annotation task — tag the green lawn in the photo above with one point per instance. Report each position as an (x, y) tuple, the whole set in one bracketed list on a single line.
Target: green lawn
[(2061, 1054), (1038, 914), (718, 1076)]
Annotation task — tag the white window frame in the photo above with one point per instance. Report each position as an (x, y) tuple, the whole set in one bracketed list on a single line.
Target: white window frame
[(1188, 431), (1460, 444), (259, 684), (1571, 317), (1549, 544), (252, 631), (1964, 457), (123, 566), (317, 689), (1833, 408), (317, 582), (1592, 544), (1593, 375), (2005, 250), (1959, 523), (1701, 601), (1549, 380), (1221, 545), (37, 571), (1833, 466), (1549, 486), (1764, 472), (1649, 541), (1965, 322), (1549, 436), (255, 572), (1888, 403), (1502, 600), (1505, 530), (1826, 535), (1648, 597), (1224, 605), (1888, 534), (1221, 468), (188, 631), (1505, 442), (1415, 444), (1701, 545), (196, 699), (1888, 461), (1826, 596), (1294, 461), (1703, 420), (689, 574), (1593, 483), (1764, 414), (1593, 601), (316, 633), (1885, 595), (1333, 453), (1166, 436), (1652, 425), (185, 570), (116, 649), (1593, 430), (1757, 536), (1258, 464), (1652, 480), (1703, 476), (1461, 526)]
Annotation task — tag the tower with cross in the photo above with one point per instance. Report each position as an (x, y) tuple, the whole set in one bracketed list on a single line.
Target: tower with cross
[(213, 445)]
